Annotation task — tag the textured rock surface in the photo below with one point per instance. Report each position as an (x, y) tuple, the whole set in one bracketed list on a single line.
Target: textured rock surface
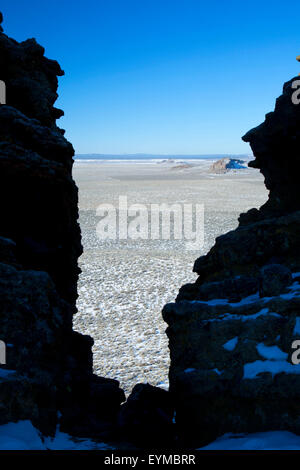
[(146, 417), (275, 144), (231, 332), (40, 243)]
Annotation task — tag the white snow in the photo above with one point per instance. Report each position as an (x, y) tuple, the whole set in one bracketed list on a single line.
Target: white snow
[(294, 286), (4, 373), (247, 300), (254, 316), (271, 440), (297, 327), (191, 369), (295, 292), (292, 295), (231, 344), (275, 363), (273, 353), (24, 436), (252, 369), (163, 384), (124, 284)]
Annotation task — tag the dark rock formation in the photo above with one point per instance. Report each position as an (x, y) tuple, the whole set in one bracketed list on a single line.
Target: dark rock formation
[(274, 279), (231, 332), (226, 164), (146, 419), (40, 244), (275, 144)]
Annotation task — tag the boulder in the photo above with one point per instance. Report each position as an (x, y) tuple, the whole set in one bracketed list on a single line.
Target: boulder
[(147, 417), (226, 164)]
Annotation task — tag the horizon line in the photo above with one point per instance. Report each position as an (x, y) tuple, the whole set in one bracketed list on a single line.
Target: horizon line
[(167, 154)]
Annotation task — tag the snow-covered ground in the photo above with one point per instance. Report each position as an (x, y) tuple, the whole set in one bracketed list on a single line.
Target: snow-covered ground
[(275, 360), (271, 440), (24, 436), (125, 284)]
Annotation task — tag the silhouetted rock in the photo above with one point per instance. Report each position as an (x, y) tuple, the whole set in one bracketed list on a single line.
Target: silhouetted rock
[(31, 79), (147, 417), (275, 144), (274, 280), (231, 332), (49, 370), (232, 289)]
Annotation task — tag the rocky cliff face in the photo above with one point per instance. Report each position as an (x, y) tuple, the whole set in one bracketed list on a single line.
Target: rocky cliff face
[(231, 332), (49, 367)]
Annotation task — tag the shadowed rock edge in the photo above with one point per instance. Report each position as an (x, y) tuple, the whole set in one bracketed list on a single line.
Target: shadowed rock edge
[(52, 380), (230, 333)]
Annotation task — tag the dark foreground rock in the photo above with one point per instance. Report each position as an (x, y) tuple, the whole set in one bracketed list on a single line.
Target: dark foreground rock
[(231, 332), (146, 419), (48, 377)]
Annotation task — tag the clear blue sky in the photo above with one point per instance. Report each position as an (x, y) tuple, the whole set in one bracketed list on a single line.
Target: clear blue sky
[(163, 76)]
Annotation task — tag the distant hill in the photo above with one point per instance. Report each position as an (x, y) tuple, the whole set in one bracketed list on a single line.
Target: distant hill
[(146, 156)]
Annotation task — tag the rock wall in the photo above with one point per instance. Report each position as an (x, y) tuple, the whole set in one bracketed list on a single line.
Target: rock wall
[(48, 377), (224, 165), (231, 332)]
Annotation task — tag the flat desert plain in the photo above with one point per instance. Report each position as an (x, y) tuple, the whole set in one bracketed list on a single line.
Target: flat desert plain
[(125, 283)]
